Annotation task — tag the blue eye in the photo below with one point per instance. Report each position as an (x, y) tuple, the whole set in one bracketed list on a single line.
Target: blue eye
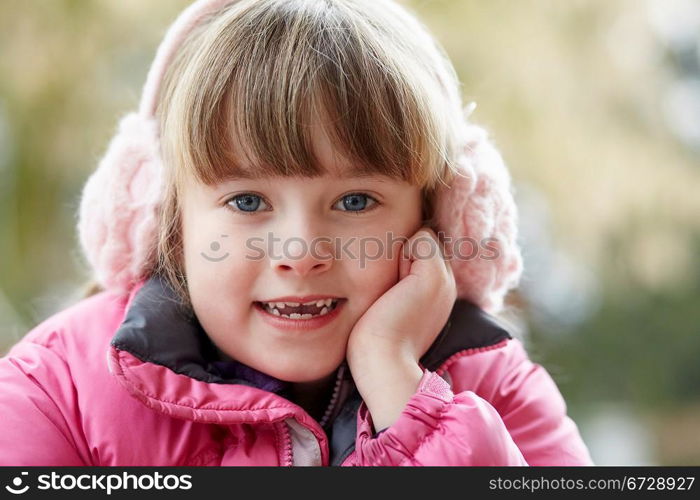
[(246, 202), (356, 202)]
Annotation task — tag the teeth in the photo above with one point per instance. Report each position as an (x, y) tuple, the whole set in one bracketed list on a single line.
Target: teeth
[(325, 304), (317, 303)]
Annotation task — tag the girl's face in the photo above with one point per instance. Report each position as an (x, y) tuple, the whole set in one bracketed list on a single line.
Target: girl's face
[(248, 242)]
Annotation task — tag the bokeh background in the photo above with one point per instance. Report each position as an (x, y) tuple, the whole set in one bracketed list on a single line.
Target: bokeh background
[(595, 106)]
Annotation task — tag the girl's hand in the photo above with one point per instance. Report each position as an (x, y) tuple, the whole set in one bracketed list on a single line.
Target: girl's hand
[(387, 342)]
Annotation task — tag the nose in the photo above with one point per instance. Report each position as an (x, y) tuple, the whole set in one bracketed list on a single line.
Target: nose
[(304, 256)]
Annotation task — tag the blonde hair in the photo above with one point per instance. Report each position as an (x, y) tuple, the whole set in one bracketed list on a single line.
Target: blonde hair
[(242, 91)]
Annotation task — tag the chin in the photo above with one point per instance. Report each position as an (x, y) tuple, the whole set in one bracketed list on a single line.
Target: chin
[(299, 372)]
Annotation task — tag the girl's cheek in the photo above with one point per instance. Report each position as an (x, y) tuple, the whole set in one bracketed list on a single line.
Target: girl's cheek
[(375, 253), (375, 271)]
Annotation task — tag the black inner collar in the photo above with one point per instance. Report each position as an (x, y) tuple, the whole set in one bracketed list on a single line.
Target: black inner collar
[(159, 329)]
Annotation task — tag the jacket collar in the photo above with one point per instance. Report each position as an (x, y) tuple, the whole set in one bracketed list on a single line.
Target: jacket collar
[(158, 329), (162, 355)]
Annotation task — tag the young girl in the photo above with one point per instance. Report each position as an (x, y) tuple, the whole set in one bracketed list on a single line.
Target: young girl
[(299, 238)]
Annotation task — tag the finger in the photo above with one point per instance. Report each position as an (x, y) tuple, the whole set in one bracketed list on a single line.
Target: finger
[(427, 261), (443, 248), (451, 277), (404, 263), (448, 265), (423, 251), (447, 251)]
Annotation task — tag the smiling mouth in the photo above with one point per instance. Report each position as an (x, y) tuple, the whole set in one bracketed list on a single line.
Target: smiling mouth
[(295, 310)]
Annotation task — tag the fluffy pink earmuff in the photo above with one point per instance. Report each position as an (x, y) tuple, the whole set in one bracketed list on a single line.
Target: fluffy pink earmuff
[(118, 219)]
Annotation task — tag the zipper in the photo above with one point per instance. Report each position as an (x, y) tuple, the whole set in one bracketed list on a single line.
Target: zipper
[(287, 449), (334, 398), (286, 459)]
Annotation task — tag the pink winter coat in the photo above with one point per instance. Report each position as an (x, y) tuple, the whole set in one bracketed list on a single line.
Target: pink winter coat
[(131, 380)]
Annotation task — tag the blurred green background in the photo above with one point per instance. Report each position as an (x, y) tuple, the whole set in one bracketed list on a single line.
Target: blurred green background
[(595, 106)]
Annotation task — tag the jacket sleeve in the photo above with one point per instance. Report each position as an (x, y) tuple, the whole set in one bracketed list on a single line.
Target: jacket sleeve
[(437, 427), (498, 409), (37, 402)]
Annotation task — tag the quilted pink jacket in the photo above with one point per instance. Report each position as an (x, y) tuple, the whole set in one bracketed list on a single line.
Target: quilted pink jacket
[(132, 380)]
